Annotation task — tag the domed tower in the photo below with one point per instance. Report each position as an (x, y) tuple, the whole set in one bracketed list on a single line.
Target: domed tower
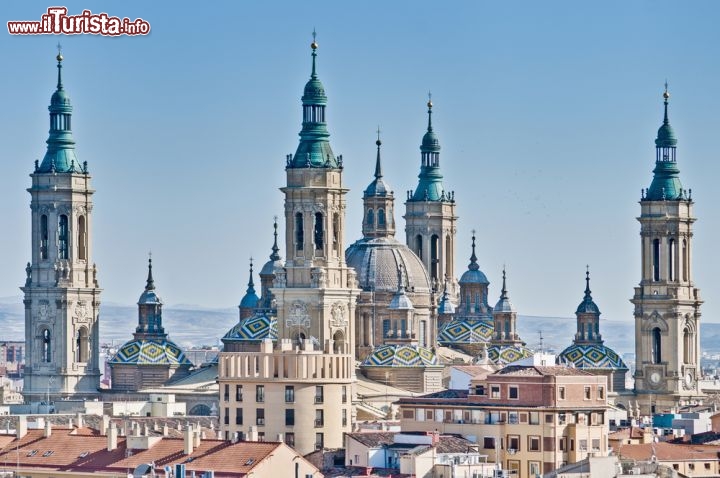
[(588, 351), (150, 359), (377, 257), (430, 219), (471, 325), (667, 303), (401, 361), (292, 373), (506, 346), (62, 296), (250, 300)]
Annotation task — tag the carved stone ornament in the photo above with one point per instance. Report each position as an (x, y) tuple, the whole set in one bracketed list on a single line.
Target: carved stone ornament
[(338, 315), (81, 311), (298, 315), (45, 311)]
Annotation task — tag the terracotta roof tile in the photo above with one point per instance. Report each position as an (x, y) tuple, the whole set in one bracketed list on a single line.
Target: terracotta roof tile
[(88, 452), (669, 452)]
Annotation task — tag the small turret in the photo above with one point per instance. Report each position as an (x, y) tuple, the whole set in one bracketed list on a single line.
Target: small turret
[(250, 301), (666, 185)]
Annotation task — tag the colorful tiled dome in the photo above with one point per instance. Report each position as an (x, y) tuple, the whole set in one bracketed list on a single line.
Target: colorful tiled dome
[(465, 330), (592, 356), (400, 355), (507, 354), (254, 328), (150, 352)]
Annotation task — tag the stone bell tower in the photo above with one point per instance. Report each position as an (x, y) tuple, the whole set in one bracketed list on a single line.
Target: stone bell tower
[(62, 297), (667, 303)]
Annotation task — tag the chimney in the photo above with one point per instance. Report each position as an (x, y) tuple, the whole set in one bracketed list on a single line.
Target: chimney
[(79, 420), (21, 427), (252, 434), (188, 440), (48, 429), (105, 423), (146, 430), (280, 438), (112, 437), (165, 430), (196, 437)]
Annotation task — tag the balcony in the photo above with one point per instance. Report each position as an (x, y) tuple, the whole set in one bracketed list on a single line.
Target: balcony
[(319, 399), (319, 423), (261, 421)]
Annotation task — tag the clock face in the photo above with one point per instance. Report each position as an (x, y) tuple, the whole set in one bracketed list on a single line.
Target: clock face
[(688, 379), (655, 377)]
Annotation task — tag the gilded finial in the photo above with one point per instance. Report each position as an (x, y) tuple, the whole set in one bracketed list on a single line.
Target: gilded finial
[(666, 95), (314, 44), (59, 56), (429, 103)]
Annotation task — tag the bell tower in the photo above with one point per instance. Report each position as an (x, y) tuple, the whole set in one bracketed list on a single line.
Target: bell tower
[(430, 219), (62, 297), (667, 303)]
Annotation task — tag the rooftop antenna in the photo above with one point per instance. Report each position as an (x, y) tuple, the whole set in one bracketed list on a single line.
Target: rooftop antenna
[(541, 341)]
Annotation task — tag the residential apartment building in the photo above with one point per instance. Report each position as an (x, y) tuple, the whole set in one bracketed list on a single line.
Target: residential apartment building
[(532, 419)]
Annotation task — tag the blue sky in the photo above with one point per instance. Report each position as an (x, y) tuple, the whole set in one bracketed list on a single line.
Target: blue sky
[(546, 113)]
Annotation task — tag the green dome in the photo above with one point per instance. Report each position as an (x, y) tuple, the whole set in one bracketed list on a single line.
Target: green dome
[(314, 92), (666, 137), (666, 182)]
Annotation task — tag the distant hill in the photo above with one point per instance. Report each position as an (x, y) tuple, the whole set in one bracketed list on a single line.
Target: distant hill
[(192, 325)]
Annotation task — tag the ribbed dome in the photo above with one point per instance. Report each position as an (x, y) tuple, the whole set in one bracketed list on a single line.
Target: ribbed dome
[(474, 277), (314, 92), (376, 262), (149, 297), (397, 355), (592, 356)]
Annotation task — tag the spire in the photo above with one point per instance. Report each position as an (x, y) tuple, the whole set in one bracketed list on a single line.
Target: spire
[(275, 256), (314, 47), (473, 258), (587, 281), (666, 185), (59, 59), (429, 105), (60, 155), (503, 294), (251, 284), (430, 187), (150, 284), (314, 149), (587, 306), (378, 167)]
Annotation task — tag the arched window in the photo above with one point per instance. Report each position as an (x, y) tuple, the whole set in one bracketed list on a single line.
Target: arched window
[(338, 342), (419, 246), (319, 232), (82, 248), (63, 237), (43, 237), (687, 346), (81, 345), (656, 259), (685, 260), (671, 260), (422, 336), (336, 231), (448, 263), (656, 345), (381, 217), (46, 346), (434, 253), (507, 329), (299, 232), (370, 217)]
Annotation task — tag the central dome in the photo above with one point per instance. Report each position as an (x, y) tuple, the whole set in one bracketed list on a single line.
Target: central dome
[(376, 262)]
